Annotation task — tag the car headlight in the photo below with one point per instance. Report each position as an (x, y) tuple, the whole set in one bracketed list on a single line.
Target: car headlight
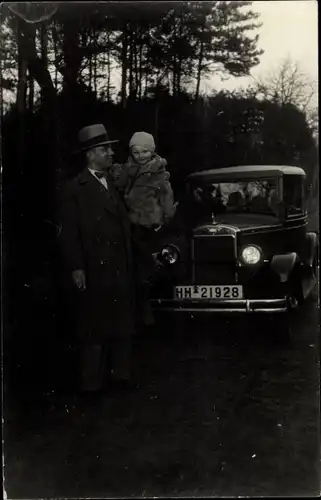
[(251, 254), (169, 254)]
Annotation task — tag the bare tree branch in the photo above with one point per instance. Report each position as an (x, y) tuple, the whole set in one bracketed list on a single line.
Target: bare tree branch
[(287, 84)]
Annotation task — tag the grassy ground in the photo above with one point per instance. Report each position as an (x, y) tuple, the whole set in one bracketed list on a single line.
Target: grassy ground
[(220, 411)]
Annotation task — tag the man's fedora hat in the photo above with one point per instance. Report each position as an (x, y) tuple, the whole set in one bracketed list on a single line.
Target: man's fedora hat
[(92, 136)]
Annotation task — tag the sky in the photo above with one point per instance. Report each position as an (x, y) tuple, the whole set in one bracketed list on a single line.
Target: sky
[(290, 29)]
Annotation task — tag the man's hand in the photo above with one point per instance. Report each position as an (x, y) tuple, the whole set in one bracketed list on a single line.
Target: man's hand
[(79, 279)]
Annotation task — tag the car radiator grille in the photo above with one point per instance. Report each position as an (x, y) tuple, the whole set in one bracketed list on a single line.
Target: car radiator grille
[(213, 260)]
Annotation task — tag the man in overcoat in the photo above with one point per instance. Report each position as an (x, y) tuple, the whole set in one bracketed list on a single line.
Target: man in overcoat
[(97, 253)]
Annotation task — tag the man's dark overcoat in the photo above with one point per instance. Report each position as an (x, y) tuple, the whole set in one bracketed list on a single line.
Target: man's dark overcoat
[(95, 237)]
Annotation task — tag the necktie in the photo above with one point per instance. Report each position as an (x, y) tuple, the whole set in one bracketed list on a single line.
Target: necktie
[(100, 175)]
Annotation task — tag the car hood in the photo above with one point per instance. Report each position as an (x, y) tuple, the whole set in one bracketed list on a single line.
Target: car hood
[(234, 221)]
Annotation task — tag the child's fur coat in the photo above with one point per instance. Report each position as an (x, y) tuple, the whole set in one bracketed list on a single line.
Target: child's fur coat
[(147, 191)]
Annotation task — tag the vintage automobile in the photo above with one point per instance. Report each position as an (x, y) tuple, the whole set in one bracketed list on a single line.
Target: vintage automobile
[(239, 244)]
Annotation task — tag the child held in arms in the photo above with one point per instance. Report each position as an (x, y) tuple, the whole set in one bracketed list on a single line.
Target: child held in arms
[(144, 183)]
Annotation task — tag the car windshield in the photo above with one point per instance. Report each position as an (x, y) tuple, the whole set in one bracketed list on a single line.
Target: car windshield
[(257, 197)]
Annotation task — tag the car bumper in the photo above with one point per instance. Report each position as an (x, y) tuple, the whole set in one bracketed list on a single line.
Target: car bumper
[(243, 306)]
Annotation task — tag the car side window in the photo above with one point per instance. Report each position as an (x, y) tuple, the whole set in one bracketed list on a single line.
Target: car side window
[(293, 195)]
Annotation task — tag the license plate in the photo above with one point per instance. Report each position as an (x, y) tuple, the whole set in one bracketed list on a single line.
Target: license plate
[(203, 292)]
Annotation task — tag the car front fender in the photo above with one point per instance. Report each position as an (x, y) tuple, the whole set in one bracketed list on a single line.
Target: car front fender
[(283, 265)]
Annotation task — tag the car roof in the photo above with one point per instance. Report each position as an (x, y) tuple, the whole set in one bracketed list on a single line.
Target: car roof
[(245, 171)]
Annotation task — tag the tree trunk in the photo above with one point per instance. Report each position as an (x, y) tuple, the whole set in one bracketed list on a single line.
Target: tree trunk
[(173, 79), (136, 70), (137, 46), (90, 70), (21, 107), (175, 63), (35, 64), (22, 85), (175, 76), (44, 50), (199, 71), (108, 77), (95, 74), (140, 71), (131, 66), (44, 45), (124, 58), (31, 96), (146, 84), (72, 56), (22, 74), (108, 68), (1, 95), (179, 63), (179, 74), (41, 74), (55, 44), (83, 45)]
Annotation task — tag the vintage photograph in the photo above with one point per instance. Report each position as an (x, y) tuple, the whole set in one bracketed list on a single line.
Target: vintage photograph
[(160, 249)]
